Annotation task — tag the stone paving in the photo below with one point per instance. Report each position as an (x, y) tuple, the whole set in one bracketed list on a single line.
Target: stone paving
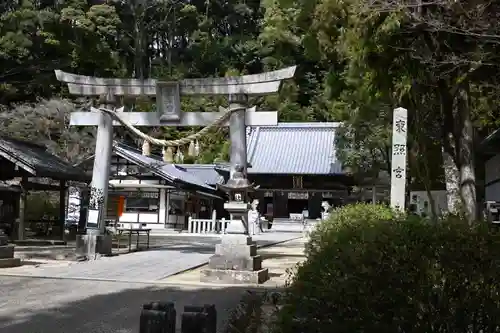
[(172, 257), (30, 305), (46, 305)]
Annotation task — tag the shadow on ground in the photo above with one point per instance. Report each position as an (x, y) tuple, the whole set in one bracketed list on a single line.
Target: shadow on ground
[(187, 247), (280, 255), (203, 245), (61, 306)]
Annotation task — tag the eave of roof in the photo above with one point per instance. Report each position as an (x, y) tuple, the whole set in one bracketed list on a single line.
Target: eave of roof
[(10, 188), (170, 172), (37, 161), (205, 172), (491, 144)]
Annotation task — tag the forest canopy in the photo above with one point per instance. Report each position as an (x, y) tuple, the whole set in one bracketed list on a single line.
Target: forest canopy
[(357, 61)]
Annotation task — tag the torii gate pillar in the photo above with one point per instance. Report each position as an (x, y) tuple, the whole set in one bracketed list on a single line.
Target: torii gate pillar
[(96, 241), (237, 132)]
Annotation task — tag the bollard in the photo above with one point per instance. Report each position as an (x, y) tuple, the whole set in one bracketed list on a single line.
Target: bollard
[(194, 322), (158, 317), (160, 306), (199, 319)]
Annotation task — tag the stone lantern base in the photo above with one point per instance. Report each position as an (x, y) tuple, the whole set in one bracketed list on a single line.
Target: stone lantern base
[(7, 253), (235, 262)]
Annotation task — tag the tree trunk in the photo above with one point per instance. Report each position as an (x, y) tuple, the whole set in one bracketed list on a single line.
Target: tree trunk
[(139, 73), (451, 177), (466, 155)]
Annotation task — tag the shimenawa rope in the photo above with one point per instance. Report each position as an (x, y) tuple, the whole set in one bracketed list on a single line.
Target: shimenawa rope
[(169, 143)]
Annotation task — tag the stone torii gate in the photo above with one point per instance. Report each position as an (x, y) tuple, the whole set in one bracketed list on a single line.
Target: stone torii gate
[(168, 113)]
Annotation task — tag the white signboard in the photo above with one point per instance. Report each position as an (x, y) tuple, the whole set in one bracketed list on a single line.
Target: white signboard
[(398, 174), (298, 195)]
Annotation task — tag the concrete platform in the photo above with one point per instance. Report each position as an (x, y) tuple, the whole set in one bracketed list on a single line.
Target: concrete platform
[(234, 277), (10, 262), (279, 259), (38, 242)]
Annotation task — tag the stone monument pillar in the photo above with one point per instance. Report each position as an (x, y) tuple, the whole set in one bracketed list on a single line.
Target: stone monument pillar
[(7, 253), (398, 174)]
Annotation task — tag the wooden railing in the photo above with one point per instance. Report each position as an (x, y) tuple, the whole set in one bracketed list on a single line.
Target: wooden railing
[(207, 226)]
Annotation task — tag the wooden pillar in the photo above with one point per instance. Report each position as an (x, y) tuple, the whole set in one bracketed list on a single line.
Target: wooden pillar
[(62, 207), (21, 227), (84, 204), (167, 208)]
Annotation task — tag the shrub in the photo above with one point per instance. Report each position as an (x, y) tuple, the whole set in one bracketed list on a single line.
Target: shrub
[(386, 273), (362, 215)]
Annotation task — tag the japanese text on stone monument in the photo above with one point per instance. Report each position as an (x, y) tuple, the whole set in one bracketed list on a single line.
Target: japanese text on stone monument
[(398, 174)]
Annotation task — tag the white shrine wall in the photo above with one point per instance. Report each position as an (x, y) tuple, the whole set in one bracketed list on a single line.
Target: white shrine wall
[(492, 179), (135, 219), (422, 203)]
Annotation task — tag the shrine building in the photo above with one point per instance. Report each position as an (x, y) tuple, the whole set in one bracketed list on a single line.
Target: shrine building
[(490, 151), (145, 191), (296, 166)]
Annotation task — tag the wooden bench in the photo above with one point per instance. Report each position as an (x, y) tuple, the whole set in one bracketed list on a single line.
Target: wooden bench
[(124, 232)]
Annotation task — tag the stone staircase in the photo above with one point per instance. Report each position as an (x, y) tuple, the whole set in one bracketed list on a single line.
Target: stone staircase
[(287, 225)]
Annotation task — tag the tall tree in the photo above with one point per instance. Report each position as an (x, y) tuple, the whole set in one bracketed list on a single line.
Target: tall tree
[(426, 57)]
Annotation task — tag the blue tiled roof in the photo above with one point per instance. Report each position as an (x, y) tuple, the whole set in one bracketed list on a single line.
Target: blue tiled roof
[(293, 148), (170, 172)]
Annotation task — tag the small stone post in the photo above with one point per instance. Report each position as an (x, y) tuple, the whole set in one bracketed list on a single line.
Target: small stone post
[(7, 253)]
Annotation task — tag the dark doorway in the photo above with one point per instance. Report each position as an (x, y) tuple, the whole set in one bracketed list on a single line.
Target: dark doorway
[(266, 207), (314, 205), (280, 209), (296, 206)]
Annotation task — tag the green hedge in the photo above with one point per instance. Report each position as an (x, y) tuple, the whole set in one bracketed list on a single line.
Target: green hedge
[(362, 215), (370, 270)]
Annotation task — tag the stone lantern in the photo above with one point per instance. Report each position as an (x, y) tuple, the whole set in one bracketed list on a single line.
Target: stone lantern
[(238, 189), (236, 259)]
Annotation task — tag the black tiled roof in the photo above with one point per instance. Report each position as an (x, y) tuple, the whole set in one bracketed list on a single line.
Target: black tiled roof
[(167, 171), (36, 160)]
